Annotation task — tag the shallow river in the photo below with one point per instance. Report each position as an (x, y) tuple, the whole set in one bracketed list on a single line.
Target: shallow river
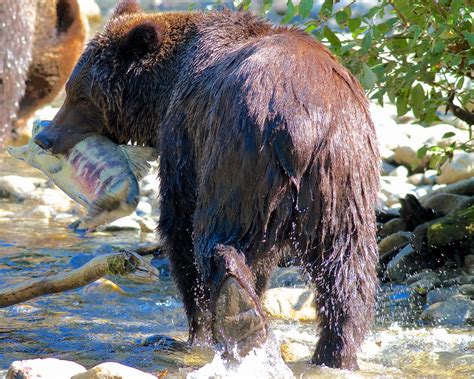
[(90, 326)]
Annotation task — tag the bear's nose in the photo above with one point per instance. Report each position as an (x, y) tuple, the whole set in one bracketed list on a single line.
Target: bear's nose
[(43, 141)]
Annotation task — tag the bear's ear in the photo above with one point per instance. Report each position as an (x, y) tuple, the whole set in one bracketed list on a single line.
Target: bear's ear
[(141, 40), (125, 7)]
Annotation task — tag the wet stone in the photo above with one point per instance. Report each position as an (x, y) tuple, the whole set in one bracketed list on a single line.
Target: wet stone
[(286, 277), (113, 370), (294, 351), (394, 241), (43, 368), (393, 226), (290, 304), (457, 310), (438, 295), (423, 285), (16, 188), (469, 264), (467, 289), (406, 262)]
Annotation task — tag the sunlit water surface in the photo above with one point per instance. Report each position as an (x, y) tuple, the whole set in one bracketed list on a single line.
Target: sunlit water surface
[(91, 327)]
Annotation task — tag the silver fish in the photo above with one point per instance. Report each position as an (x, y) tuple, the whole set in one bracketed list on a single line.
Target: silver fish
[(97, 173)]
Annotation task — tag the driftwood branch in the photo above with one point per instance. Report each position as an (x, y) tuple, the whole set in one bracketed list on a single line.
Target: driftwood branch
[(125, 263), (459, 112)]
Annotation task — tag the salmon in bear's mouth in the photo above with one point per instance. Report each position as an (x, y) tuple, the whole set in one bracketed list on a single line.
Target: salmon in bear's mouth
[(96, 173)]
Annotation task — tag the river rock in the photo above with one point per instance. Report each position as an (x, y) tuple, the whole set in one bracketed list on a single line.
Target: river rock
[(416, 179), (424, 282), (461, 167), (446, 202), (467, 289), (103, 286), (294, 351), (406, 262), (113, 370), (286, 277), (124, 223), (91, 10), (290, 304), (39, 212), (394, 241), (469, 264), (400, 172), (387, 168), (457, 310), (390, 227), (50, 368), (16, 188), (463, 187), (438, 295), (144, 208), (390, 135), (430, 176)]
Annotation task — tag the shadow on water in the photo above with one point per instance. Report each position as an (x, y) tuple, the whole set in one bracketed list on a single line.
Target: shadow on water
[(90, 327)]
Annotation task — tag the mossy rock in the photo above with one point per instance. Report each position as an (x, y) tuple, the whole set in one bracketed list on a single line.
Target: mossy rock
[(454, 228)]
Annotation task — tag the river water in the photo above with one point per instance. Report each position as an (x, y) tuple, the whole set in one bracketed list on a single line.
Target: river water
[(92, 326)]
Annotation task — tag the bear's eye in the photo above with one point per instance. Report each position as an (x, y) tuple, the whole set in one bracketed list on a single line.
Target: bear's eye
[(83, 101)]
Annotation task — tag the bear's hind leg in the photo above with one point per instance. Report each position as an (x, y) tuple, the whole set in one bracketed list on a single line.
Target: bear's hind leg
[(345, 286), (238, 319)]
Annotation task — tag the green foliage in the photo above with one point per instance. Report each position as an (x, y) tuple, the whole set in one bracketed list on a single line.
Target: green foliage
[(418, 54)]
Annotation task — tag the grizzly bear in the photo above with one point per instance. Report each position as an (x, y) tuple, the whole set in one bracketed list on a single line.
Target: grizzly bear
[(266, 144), (42, 40)]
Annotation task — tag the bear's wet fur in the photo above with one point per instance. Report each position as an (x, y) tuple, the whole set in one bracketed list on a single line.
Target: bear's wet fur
[(266, 145)]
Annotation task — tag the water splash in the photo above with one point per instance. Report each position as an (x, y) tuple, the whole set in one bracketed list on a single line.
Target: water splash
[(264, 362)]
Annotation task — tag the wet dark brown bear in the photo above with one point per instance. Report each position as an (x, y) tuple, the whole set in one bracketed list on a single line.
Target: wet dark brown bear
[(266, 145)]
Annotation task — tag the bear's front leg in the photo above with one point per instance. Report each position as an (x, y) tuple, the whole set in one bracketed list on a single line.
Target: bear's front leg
[(238, 321)]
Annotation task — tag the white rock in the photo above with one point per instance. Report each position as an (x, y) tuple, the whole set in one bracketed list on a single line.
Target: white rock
[(50, 368), (91, 10), (294, 351), (54, 198), (430, 176), (144, 208), (147, 224), (406, 155), (16, 187), (392, 185), (40, 212), (124, 223), (415, 179), (461, 167), (400, 171), (290, 303), (113, 370), (390, 135)]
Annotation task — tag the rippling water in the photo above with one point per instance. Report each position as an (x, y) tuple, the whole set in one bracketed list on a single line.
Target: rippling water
[(91, 327)]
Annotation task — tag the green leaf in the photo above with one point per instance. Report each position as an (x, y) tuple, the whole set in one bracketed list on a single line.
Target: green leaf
[(354, 23), (402, 102), (368, 78), (305, 8), (460, 82), (341, 17), (366, 42), (290, 12), (421, 152), (417, 99), (438, 47), (331, 37), (448, 135), (326, 9), (267, 5), (469, 37)]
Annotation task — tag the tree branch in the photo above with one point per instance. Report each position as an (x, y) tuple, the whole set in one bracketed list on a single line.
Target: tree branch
[(119, 263)]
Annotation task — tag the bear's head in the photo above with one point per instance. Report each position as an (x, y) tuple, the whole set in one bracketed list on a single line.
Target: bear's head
[(109, 89)]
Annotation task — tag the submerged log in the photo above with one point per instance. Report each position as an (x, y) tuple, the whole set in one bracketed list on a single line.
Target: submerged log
[(122, 263)]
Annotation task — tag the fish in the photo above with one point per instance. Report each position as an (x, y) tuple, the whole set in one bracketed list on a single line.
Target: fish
[(96, 173)]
